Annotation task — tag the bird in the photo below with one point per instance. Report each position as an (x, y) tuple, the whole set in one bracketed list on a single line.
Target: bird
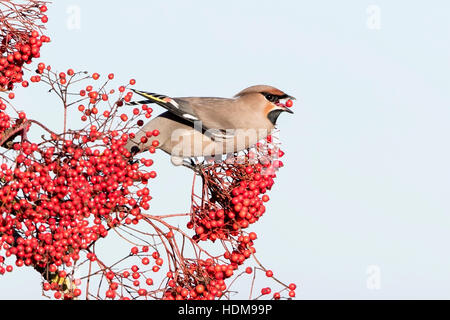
[(209, 126)]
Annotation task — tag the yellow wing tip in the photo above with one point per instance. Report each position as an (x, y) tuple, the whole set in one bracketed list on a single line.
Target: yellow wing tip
[(148, 95)]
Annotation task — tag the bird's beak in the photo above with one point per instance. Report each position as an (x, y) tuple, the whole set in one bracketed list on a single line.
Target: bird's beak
[(289, 110), (283, 107)]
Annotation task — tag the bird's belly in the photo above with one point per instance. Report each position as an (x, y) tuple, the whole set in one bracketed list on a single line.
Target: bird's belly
[(192, 143)]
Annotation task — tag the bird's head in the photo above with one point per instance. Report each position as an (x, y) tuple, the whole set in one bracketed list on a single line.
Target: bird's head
[(272, 100)]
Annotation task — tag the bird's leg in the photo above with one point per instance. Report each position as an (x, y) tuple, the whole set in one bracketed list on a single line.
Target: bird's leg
[(193, 165), (188, 163)]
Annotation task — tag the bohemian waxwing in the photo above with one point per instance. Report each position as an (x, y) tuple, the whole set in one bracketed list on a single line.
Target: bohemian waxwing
[(201, 126)]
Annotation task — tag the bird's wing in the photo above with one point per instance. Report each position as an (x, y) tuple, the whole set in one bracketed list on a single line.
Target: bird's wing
[(214, 114), (207, 110), (182, 110)]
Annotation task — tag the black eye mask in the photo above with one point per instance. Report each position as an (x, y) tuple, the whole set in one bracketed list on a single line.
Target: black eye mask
[(271, 97), (274, 98)]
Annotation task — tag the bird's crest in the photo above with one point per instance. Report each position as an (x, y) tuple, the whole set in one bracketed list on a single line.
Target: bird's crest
[(261, 89)]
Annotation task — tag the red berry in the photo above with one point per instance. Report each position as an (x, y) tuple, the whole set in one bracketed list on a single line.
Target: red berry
[(265, 291), (134, 250), (142, 292), (199, 230), (200, 288)]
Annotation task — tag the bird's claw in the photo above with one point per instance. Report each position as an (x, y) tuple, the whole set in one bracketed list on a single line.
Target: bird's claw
[(197, 167)]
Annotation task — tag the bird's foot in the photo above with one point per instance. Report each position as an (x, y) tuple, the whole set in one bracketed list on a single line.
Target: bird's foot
[(195, 166)]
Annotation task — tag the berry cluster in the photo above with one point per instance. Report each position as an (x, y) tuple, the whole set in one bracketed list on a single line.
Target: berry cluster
[(19, 45), (235, 205), (61, 195), (58, 200), (5, 120), (202, 280), (135, 277)]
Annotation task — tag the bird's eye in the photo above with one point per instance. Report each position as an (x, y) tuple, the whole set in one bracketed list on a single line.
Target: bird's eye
[(271, 97)]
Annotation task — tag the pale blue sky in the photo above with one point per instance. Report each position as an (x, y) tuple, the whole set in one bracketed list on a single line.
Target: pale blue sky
[(366, 178)]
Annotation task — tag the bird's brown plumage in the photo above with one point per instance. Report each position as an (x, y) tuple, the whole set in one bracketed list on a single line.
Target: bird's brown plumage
[(237, 123), (261, 89)]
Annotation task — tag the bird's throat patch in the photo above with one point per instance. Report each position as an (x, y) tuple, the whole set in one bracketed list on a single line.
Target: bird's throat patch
[(273, 115)]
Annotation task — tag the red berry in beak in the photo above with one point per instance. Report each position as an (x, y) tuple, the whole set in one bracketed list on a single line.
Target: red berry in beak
[(289, 103)]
